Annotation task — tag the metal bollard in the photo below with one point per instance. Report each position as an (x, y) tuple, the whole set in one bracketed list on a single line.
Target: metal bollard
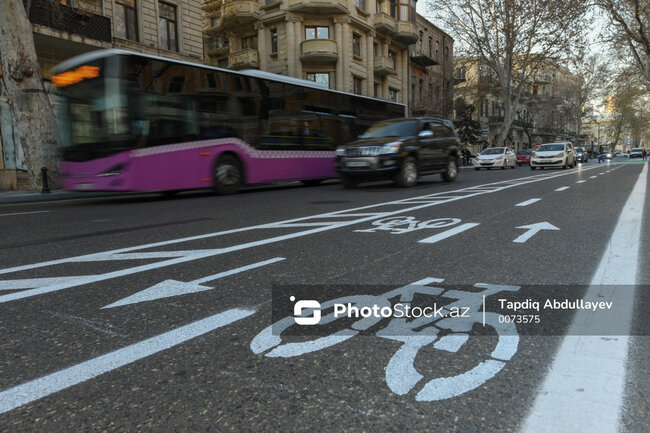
[(46, 185)]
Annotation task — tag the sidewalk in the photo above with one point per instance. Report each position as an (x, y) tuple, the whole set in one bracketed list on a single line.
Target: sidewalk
[(22, 196)]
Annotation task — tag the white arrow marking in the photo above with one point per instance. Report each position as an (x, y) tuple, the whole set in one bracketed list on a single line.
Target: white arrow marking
[(448, 233), (532, 230), (36, 389), (169, 288)]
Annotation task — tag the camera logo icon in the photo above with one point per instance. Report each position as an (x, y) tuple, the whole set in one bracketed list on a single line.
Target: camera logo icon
[(310, 307)]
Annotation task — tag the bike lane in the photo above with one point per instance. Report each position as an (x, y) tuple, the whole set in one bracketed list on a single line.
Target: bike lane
[(344, 386)]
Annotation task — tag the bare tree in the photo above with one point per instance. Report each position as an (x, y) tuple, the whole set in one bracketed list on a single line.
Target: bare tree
[(23, 92), (513, 37), (631, 23)]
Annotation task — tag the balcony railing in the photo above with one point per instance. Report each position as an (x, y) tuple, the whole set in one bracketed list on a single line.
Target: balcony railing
[(384, 66), (406, 33), (319, 51), (421, 56), (384, 23), (244, 59), (72, 20), (316, 6)]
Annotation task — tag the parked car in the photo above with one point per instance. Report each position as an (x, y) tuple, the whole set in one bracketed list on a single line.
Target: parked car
[(402, 150), (501, 157), (553, 155), (581, 154), (636, 152), (523, 156)]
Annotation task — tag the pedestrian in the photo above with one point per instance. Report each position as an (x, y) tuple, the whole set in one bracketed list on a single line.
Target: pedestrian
[(645, 154)]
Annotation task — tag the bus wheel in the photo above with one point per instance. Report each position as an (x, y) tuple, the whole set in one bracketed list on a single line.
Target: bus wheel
[(228, 175)]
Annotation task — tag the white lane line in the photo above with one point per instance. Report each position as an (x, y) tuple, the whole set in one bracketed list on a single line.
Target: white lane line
[(563, 188), (36, 389), (593, 177), (527, 202), (448, 233), (584, 388), (600, 174), (581, 181), (169, 288), (462, 194), (24, 213)]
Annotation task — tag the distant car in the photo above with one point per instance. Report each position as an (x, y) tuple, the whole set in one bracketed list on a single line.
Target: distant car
[(581, 154), (501, 157), (636, 152), (402, 150), (607, 154), (559, 154), (523, 156)]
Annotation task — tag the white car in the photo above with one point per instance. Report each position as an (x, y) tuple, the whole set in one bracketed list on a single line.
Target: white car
[(553, 155), (636, 152), (501, 157)]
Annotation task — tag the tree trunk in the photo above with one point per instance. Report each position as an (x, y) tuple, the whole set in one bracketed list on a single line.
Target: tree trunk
[(22, 86)]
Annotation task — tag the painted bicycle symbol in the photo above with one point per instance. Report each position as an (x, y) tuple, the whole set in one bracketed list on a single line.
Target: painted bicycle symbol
[(406, 224), (440, 333)]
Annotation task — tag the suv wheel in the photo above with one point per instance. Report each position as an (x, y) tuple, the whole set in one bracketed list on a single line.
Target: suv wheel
[(408, 173), (452, 171)]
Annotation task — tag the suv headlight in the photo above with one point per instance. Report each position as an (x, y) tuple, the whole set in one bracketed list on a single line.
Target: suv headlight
[(392, 147), (340, 151)]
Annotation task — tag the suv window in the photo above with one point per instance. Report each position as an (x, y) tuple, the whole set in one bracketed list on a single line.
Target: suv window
[(440, 130)]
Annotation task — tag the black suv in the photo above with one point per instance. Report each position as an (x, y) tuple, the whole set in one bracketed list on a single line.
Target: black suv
[(400, 149)]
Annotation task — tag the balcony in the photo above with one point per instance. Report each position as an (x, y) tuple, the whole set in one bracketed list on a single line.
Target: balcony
[(384, 23), (319, 6), (216, 48), (319, 51), (384, 66), (238, 13), (422, 57), (406, 33), (72, 20), (212, 5), (247, 58)]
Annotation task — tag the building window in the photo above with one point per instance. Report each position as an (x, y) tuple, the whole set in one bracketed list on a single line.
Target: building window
[(446, 54), (430, 46), (393, 94), (403, 10), (249, 42), (317, 32), (274, 41), (177, 84), (223, 63), (421, 42), (356, 44), (361, 4), (437, 51), (167, 27), (421, 91), (126, 22), (378, 7), (356, 83), (376, 89), (319, 77), (375, 50)]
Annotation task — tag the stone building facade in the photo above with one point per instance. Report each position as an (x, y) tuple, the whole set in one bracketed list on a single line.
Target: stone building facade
[(357, 46)]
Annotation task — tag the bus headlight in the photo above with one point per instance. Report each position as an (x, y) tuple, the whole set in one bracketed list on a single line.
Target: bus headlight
[(340, 151), (115, 171)]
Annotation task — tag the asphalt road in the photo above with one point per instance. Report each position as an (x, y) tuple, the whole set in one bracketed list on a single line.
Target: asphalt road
[(144, 313)]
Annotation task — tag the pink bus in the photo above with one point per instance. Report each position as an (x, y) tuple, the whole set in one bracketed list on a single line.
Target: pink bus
[(135, 122)]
